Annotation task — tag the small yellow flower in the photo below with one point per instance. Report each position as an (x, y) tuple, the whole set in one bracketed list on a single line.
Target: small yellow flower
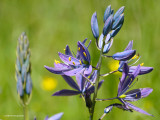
[(48, 84), (113, 65)]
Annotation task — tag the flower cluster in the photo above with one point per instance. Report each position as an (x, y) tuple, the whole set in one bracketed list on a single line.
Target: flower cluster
[(88, 77), (23, 69)]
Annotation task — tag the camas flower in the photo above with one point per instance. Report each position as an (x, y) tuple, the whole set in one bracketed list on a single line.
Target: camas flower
[(73, 65), (83, 87), (133, 95), (143, 69)]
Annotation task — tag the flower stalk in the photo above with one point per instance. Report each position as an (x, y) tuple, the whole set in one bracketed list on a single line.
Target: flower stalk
[(96, 84)]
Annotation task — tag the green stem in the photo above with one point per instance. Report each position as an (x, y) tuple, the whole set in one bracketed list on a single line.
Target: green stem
[(104, 75), (96, 85), (25, 109)]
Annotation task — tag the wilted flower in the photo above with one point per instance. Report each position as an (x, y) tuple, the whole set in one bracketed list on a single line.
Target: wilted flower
[(83, 86), (23, 69), (73, 65)]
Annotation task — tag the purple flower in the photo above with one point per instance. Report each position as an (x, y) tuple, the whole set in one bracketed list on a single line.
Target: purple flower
[(54, 117), (133, 95), (143, 69), (83, 87), (73, 65)]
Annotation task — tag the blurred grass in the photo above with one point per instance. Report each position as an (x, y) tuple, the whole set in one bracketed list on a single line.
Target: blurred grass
[(52, 24)]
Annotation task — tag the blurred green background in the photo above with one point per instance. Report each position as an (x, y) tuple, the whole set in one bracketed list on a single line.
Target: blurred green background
[(50, 25)]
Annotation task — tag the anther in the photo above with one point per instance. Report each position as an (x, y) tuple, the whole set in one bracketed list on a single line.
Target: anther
[(141, 64), (79, 48), (57, 62), (84, 54), (135, 56), (73, 63), (69, 58), (80, 62)]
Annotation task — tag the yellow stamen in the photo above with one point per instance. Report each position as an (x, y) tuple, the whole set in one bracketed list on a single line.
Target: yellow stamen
[(64, 49), (141, 64), (69, 58), (88, 76), (73, 63), (80, 62), (135, 56), (79, 48), (136, 95), (122, 96), (57, 62), (84, 54)]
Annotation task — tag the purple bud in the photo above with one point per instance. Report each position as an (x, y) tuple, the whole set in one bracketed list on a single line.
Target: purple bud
[(107, 25), (119, 12), (118, 21), (125, 55), (107, 13), (19, 86), (100, 42), (114, 32), (28, 84), (107, 47), (94, 25)]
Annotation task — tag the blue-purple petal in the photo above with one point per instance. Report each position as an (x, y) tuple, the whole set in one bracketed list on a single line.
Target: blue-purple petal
[(68, 51), (137, 109), (83, 51), (129, 46), (71, 82), (124, 76), (81, 81), (68, 59), (56, 70), (129, 80), (55, 117), (145, 92), (66, 92), (143, 69), (125, 55), (88, 70), (73, 72)]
